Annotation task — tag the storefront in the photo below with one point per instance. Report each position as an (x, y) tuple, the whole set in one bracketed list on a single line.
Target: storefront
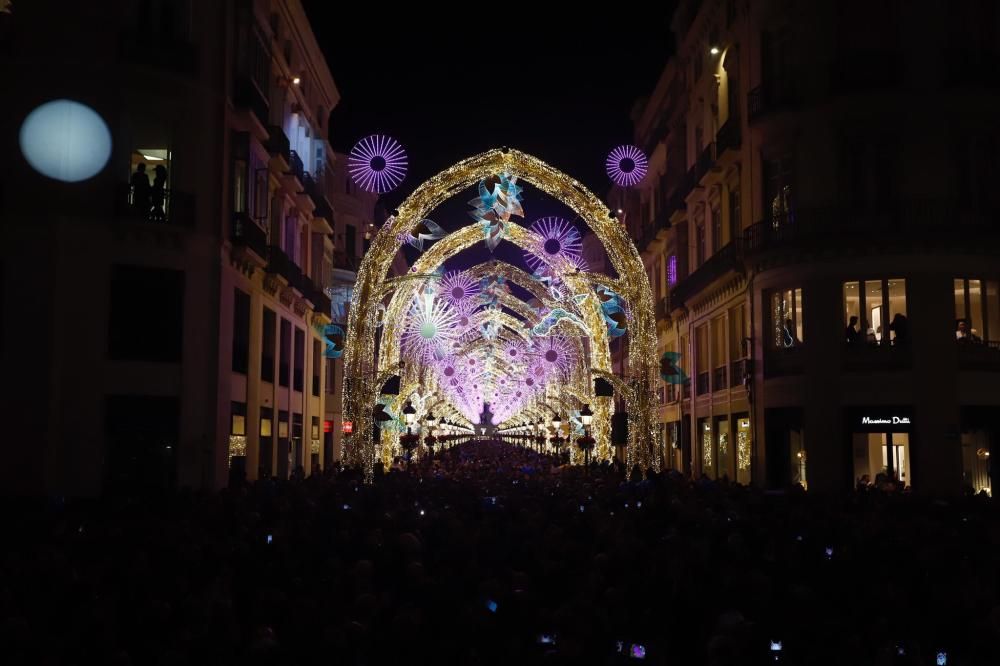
[(880, 438), (980, 431)]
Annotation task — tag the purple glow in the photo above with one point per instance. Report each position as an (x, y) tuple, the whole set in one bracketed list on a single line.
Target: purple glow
[(377, 163), (559, 239), (458, 287), (672, 270), (627, 165)]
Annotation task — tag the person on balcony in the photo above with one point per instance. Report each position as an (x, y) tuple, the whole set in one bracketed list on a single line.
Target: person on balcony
[(900, 325), (852, 336), (141, 191), (159, 194)]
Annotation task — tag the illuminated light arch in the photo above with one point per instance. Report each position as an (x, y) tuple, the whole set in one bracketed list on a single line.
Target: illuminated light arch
[(360, 392)]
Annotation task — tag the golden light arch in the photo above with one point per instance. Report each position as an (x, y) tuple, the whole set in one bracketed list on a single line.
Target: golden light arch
[(361, 384)]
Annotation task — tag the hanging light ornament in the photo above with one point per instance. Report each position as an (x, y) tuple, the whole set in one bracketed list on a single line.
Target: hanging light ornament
[(627, 165), (499, 198), (377, 163), (559, 239), (430, 327)]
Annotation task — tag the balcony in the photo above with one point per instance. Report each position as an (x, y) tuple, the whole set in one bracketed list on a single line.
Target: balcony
[(278, 263), (767, 99), (979, 356), (247, 95), (248, 234), (739, 372), (719, 377), (277, 143), (729, 136), (169, 208), (702, 383), (297, 168), (884, 357), (723, 262), (704, 164), (895, 223)]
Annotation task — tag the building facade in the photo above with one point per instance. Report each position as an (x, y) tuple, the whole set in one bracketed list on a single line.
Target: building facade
[(178, 298), (820, 225)]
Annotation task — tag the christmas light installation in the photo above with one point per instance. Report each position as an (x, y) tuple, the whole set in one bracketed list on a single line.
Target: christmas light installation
[(430, 327), (556, 354), (626, 165), (559, 239), (427, 230), (377, 163), (522, 391)]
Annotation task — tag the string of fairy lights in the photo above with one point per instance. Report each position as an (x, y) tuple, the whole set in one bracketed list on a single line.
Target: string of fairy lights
[(460, 340)]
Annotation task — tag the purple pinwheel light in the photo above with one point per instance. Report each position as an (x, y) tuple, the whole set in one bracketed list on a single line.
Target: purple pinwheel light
[(627, 165), (559, 239), (377, 163), (458, 286)]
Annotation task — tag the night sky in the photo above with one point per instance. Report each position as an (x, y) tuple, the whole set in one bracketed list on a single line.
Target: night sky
[(560, 91)]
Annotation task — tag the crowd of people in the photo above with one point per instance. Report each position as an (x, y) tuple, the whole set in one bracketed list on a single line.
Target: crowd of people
[(493, 554)]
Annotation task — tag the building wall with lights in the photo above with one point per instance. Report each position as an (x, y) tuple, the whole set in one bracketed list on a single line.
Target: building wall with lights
[(178, 311), (796, 181)]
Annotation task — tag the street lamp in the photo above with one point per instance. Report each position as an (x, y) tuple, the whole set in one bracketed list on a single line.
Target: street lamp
[(409, 441), (410, 414)]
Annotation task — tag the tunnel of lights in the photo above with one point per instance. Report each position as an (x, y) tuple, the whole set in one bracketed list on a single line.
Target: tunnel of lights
[(457, 339)]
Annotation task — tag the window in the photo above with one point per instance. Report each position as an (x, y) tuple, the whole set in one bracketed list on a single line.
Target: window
[(315, 427), (786, 319), (238, 418), (705, 444), (241, 331), (716, 229), (131, 336), (875, 312), (331, 377), (977, 310), (737, 332), (300, 358), (267, 346), (719, 373), (723, 448), (702, 351), (672, 270), (291, 237), (284, 351), (735, 215), (317, 363), (779, 200), (743, 448)]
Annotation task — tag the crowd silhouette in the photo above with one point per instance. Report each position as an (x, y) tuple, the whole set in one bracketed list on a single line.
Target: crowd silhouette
[(493, 554)]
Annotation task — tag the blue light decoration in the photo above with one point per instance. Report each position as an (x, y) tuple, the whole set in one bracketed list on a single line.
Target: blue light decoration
[(65, 140), (670, 368), (499, 199), (490, 289), (425, 230), (333, 338), (614, 313), (545, 326)]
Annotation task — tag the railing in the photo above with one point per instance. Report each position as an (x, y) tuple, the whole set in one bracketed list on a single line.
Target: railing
[(719, 377), (702, 383), (728, 259), (279, 263), (296, 167), (739, 371), (247, 233), (277, 142), (983, 355), (885, 356), (728, 137), (844, 225), (163, 207)]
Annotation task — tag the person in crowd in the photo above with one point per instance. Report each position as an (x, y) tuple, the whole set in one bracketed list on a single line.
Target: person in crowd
[(964, 333), (900, 326), (159, 193)]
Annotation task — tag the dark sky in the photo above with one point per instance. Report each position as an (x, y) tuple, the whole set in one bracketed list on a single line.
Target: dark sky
[(561, 88)]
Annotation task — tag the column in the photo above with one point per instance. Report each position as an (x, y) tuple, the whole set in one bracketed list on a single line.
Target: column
[(253, 384)]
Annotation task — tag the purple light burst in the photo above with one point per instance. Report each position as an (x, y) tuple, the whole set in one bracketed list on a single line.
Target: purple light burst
[(458, 286), (559, 239), (627, 165), (377, 163)]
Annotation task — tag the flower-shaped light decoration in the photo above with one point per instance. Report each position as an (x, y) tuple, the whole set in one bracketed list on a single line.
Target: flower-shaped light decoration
[(556, 354), (627, 165), (499, 198), (458, 287), (377, 163), (559, 239), (514, 353), (425, 230), (430, 327)]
